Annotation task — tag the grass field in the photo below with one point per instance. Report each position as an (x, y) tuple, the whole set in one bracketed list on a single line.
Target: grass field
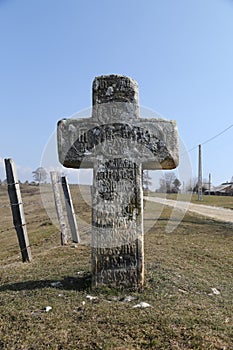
[(182, 267), (218, 201)]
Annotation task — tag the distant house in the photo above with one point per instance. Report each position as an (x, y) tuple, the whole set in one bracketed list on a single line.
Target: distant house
[(225, 189)]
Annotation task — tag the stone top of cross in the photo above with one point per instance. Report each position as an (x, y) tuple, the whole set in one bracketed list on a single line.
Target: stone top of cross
[(115, 130), (114, 88)]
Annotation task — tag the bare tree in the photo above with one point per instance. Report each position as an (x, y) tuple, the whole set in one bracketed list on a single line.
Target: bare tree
[(146, 180), (170, 183), (176, 186), (40, 175)]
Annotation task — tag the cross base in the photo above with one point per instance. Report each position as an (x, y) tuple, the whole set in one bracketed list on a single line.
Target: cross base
[(119, 266)]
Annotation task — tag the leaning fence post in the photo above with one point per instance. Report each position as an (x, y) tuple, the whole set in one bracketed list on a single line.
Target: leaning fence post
[(59, 209), (17, 210), (70, 210)]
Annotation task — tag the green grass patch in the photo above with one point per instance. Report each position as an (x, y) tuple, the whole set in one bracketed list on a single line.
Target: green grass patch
[(218, 201)]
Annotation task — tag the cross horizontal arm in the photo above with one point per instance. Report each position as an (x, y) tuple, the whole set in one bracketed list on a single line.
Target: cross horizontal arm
[(150, 142)]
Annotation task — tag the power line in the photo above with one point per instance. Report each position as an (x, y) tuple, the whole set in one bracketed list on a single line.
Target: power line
[(212, 138), (220, 133)]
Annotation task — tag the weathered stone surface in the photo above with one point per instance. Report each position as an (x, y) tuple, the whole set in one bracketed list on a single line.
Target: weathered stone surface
[(114, 88), (152, 142), (117, 239), (117, 144)]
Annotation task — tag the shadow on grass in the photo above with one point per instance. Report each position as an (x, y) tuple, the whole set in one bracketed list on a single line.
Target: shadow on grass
[(80, 283)]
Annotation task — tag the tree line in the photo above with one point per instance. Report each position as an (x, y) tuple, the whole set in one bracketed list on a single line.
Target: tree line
[(167, 184), (39, 175)]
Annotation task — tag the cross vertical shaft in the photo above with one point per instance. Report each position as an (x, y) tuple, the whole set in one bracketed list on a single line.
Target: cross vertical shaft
[(117, 144)]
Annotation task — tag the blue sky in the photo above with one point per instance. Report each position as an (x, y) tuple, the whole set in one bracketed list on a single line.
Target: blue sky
[(180, 52)]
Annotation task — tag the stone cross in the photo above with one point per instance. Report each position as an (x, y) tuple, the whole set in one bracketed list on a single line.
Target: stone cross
[(118, 145)]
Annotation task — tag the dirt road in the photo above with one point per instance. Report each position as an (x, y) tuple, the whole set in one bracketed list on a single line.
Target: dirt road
[(217, 213)]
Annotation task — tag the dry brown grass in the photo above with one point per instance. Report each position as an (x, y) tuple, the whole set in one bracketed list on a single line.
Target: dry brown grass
[(181, 269)]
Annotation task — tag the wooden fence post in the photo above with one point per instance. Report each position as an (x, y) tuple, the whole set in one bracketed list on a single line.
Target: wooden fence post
[(17, 210), (59, 209), (70, 210)]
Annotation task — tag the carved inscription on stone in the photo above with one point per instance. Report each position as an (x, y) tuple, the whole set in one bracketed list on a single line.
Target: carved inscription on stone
[(121, 264), (117, 144), (118, 139), (109, 89), (116, 202)]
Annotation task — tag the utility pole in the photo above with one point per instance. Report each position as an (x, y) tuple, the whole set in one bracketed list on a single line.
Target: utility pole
[(199, 174), (209, 183)]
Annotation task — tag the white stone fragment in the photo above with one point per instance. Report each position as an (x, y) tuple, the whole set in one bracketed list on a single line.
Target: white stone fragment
[(182, 291), (90, 297), (215, 291), (128, 299), (74, 246), (142, 305), (47, 308)]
